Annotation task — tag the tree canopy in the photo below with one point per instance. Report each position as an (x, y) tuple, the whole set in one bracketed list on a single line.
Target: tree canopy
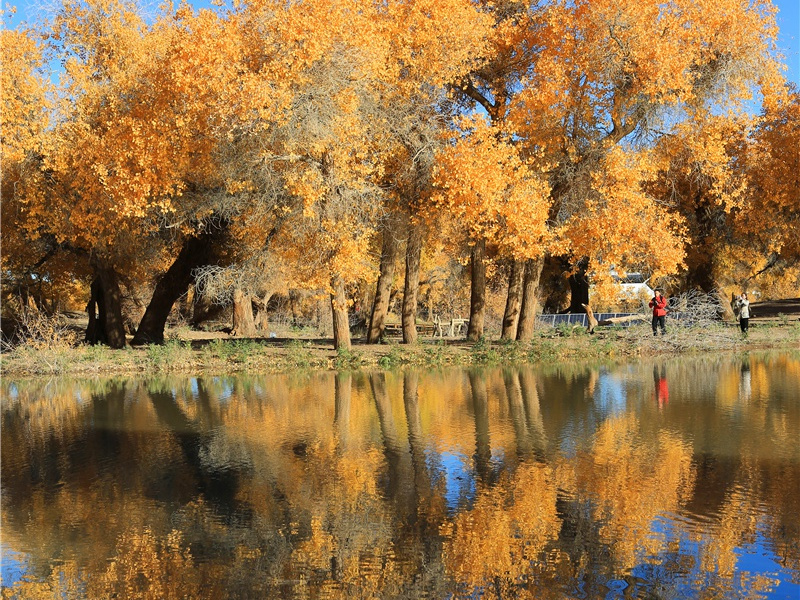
[(605, 134)]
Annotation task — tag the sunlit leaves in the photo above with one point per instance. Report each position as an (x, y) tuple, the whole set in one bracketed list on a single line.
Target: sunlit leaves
[(493, 192)]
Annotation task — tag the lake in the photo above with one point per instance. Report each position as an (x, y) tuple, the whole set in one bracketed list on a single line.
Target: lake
[(669, 479)]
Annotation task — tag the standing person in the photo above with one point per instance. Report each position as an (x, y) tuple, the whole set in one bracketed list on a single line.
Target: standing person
[(659, 306), (744, 313)]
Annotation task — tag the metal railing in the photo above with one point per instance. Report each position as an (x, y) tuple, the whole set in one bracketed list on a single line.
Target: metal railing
[(570, 319)]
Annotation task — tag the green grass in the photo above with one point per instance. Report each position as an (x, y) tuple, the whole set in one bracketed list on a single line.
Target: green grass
[(548, 346), (347, 360), (299, 355)]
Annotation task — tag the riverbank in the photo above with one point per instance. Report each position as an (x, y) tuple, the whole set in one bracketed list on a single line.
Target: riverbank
[(195, 353)]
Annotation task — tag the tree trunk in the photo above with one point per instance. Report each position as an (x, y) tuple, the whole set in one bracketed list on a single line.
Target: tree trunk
[(530, 287), (411, 289), (513, 301), (195, 252), (244, 324), (341, 323), (380, 307), (725, 307), (204, 309), (477, 303), (94, 333), (294, 299), (262, 317), (579, 287), (106, 325)]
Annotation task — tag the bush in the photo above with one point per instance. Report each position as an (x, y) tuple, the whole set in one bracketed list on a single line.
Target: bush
[(393, 359), (483, 353), (173, 355), (346, 359), (298, 354), (38, 331)]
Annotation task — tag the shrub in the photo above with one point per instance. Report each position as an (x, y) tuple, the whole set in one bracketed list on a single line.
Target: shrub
[(346, 359), (298, 354)]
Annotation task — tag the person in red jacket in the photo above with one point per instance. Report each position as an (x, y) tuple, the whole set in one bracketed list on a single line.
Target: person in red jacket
[(659, 306)]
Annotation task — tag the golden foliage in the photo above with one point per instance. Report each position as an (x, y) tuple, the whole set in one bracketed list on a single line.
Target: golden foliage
[(487, 186), (634, 482), (505, 530)]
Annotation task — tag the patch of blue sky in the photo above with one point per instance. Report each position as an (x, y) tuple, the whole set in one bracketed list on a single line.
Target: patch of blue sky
[(225, 389), (12, 392), (610, 394), (680, 569), (459, 478), (13, 567)]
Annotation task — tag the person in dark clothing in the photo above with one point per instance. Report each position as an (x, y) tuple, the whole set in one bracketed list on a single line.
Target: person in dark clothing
[(659, 306)]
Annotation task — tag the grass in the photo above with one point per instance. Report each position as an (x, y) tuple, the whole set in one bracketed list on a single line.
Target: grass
[(232, 355)]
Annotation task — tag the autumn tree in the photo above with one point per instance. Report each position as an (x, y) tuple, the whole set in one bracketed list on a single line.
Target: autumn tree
[(430, 44), (596, 82), (770, 213), (490, 188), (34, 267), (130, 146), (731, 178)]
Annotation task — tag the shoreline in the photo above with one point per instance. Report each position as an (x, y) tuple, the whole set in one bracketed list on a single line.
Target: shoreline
[(218, 356)]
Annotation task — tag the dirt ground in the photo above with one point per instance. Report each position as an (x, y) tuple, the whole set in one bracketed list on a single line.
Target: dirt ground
[(775, 310)]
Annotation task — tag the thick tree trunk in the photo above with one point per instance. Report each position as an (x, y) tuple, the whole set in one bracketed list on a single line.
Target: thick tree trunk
[(477, 303), (244, 324), (95, 334), (294, 299), (725, 307), (262, 317), (204, 309), (196, 252), (411, 289), (380, 307), (700, 255), (341, 323), (513, 301), (106, 325), (579, 287), (530, 287)]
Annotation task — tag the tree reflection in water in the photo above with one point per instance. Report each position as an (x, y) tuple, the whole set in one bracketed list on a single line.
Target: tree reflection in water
[(507, 483)]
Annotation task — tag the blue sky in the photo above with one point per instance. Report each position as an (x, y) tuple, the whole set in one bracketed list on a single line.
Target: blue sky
[(788, 22)]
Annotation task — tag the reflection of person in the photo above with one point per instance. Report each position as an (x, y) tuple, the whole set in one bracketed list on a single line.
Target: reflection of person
[(744, 313), (662, 388), (659, 306), (744, 382)]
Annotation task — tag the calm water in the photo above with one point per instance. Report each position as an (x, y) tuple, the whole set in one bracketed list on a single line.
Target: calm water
[(679, 479)]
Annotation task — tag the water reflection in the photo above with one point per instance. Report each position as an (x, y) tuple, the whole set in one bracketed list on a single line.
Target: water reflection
[(674, 479)]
